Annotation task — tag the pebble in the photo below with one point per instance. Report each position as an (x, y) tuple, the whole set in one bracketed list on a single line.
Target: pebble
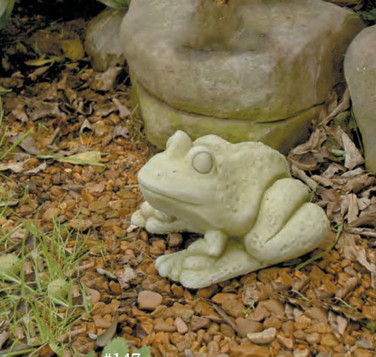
[(274, 306), (302, 322), (263, 337), (227, 330), (199, 322), (180, 325), (369, 312), (50, 214), (100, 322), (207, 293), (313, 337), (246, 326), (302, 353), (174, 239), (161, 325), (317, 314), (329, 340), (286, 341), (148, 300)]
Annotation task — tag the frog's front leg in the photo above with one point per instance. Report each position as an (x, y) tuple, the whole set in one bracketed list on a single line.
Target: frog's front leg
[(155, 221), (213, 244)]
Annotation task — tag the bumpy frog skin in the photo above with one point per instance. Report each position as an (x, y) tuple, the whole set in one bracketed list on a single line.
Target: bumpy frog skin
[(241, 197)]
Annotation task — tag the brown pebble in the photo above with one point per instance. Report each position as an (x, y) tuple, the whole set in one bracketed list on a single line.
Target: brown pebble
[(50, 214), (114, 287), (177, 290), (227, 330), (302, 353), (100, 322), (207, 293), (180, 325), (317, 314), (313, 337), (329, 340), (274, 306), (262, 337), (174, 239), (246, 326), (272, 321), (249, 350), (199, 322), (302, 322), (161, 325), (369, 312), (148, 300), (288, 342)]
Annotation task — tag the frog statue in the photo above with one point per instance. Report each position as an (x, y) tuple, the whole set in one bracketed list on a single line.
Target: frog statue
[(241, 197)]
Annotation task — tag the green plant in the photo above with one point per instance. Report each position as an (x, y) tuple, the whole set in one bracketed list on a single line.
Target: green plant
[(26, 302), (6, 7), (119, 347)]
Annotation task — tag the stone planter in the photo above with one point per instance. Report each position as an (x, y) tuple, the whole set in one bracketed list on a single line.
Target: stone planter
[(360, 71), (252, 70)]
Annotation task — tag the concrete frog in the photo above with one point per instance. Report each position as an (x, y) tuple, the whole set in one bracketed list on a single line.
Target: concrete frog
[(241, 197)]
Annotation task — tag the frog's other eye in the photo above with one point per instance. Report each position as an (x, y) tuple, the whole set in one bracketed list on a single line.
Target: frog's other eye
[(203, 162)]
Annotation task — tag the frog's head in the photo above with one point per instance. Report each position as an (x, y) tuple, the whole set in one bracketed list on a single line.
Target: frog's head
[(211, 183), (181, 180)]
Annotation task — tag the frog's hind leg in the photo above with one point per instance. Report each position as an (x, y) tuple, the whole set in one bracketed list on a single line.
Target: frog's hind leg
[(304, 231), (233, 262)]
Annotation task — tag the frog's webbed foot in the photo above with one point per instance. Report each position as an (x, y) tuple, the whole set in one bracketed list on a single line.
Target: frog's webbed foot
[(158, 222), (196, 271)]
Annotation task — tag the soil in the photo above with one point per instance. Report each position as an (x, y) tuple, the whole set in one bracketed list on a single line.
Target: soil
[(327, 307)]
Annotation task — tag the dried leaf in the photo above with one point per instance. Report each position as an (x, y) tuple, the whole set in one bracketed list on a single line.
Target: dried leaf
[(27, 143), (13, 166), (353, 156), (106, 336), (73, 48), (85, 158), (37, 169)]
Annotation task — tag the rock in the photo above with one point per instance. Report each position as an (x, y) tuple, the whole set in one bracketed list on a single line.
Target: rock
[(148, 300), (198, 322), (181, 326), (161, 325), (246, 326), (102, 39), (360, 73), (262, 337), (249, 350), (216, 76)]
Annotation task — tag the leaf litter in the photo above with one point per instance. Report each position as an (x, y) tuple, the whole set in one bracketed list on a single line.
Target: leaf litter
[(77, 165)]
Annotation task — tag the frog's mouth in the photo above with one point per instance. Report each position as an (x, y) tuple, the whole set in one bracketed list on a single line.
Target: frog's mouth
[(179, 196)]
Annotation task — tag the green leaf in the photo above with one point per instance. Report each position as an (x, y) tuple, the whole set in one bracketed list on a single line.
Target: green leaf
[(117, 345), (4, 90), (144, 351), (6, 7), (90, 354)]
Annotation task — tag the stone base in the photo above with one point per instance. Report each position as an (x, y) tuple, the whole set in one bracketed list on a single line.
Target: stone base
[(161, 121)]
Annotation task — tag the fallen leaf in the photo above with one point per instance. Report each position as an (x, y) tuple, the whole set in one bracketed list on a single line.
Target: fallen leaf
[(353, 156), (37, 169), (85, 158), (106, 336), (13, 166), (28, 143), (73, 48)]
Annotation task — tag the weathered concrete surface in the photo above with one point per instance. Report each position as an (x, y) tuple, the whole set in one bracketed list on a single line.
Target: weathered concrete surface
[(102, 39), (360, 73), (252, 61)]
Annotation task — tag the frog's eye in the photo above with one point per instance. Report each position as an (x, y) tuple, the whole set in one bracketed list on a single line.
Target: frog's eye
[(203, 162)]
